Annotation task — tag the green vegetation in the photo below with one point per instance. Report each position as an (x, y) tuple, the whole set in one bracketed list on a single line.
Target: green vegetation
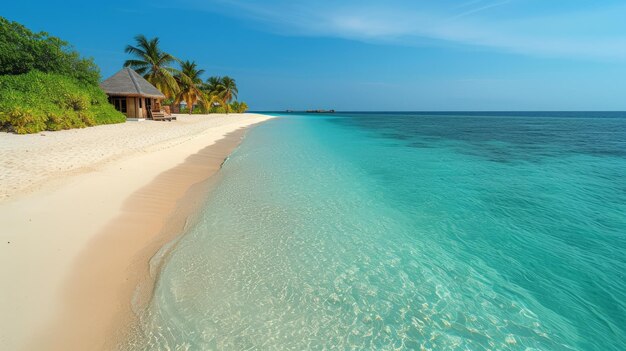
[(37, 101), (229, 91), (238, 107), (189, 82), (22, 51), (45, 85), (235, 106), (185, 84), (224, 89), (154, 64)]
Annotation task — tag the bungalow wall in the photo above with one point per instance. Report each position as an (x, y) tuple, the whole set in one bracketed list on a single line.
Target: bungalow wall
[(131, 104), (134, 107)]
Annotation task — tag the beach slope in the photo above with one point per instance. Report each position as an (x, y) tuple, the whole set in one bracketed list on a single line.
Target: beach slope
[(82, 212)]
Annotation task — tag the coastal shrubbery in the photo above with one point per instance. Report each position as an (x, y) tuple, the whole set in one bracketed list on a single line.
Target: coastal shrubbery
[(235, 107), (37, 101), (45, 85), (238, 107)]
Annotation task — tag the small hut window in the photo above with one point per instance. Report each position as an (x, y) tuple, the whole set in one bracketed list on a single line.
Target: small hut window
[(140, 99), (120, 104)]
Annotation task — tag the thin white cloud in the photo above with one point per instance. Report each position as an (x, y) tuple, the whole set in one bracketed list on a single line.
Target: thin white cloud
[(565, 34), (468, 3), (480, 9)]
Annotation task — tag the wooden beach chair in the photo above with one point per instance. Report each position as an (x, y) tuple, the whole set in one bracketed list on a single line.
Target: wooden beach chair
[(160, 116)]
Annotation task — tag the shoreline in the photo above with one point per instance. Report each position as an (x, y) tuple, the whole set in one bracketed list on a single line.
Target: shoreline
[(89, 303)]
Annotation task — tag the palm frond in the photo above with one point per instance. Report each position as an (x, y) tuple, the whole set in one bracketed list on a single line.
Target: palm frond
[(141, 70), (136, 63), (134, 51)]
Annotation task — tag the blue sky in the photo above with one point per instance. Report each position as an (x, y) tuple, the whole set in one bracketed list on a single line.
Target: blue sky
[(370, 55)]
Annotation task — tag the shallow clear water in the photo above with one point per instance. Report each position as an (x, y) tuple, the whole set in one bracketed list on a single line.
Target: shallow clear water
[(406, 231)]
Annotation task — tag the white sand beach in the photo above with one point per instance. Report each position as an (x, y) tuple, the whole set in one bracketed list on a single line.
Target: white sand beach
[(83, 210)]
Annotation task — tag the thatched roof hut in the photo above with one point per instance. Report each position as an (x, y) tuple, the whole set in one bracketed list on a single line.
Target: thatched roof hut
[(132, 95)]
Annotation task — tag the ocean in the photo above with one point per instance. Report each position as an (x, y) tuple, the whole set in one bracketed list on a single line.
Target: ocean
[(405, 231)]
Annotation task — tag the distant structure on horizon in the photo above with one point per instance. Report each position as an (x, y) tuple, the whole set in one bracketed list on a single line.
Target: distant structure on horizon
[(320, 111), (312, 111)]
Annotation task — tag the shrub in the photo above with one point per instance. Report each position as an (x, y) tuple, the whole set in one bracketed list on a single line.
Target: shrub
[(73, 101), (36, 101), (199, 111), (217, 109), (20, 120), (238, 107)]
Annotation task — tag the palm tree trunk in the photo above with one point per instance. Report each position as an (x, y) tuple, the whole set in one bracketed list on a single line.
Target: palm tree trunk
[(189, 105), (226, 104)]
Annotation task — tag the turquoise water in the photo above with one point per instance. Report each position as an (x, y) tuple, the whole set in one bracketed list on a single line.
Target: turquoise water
[(406, 232)]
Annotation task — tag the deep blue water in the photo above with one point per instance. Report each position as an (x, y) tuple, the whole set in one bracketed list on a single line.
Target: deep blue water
[(442, 231)]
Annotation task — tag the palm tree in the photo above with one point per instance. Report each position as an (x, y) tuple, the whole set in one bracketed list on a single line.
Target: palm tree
[(154, 64), (229, 91), (190, 84), (213, 84), (213, 87), (212, 90), (221, 90)]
